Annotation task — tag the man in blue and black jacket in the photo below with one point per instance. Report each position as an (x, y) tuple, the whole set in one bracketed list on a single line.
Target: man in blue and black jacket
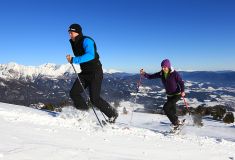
[(91, 76)]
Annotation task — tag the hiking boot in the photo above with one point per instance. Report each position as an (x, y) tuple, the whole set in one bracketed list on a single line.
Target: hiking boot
[(178, 124), (113, 118)]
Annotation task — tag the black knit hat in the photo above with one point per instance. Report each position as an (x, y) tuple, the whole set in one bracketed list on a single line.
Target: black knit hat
[(75, 28)]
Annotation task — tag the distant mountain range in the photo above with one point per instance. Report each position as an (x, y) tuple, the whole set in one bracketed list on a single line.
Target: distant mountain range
[(50, 83), (218, 77), (29, 73)]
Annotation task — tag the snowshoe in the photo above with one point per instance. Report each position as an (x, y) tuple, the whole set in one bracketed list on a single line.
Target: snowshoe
[(176, 129), (110, 120)]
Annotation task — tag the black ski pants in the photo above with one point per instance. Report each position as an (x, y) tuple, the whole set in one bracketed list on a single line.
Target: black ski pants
[(170, 108), (92, 81)]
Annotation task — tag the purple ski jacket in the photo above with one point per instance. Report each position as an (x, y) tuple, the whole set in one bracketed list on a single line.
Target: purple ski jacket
[(173, 83)]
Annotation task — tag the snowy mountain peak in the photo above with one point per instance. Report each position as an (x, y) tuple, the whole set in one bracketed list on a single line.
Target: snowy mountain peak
[(13, 70), (16, 71), (110, 71)]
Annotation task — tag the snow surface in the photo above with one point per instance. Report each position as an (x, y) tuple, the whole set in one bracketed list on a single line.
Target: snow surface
[(31, 134)]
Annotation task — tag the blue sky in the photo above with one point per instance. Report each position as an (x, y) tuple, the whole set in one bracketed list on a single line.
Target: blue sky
[(130, 34)]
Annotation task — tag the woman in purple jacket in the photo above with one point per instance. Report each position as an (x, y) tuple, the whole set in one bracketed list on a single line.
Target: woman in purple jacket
[(174, 86)]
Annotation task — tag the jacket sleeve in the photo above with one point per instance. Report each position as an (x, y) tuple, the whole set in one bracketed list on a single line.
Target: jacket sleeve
[(89, 55), (180, 81), (152, 76)]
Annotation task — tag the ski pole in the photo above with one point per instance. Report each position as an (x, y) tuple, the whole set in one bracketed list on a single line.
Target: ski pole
[(137, 90), (187, 106), (88, 99)]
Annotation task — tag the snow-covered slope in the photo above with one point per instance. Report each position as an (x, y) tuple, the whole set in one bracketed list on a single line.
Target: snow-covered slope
[(16, 71), (27, 133)]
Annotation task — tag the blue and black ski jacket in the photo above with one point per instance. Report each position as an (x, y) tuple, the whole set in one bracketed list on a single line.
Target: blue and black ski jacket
[(85, 51)]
